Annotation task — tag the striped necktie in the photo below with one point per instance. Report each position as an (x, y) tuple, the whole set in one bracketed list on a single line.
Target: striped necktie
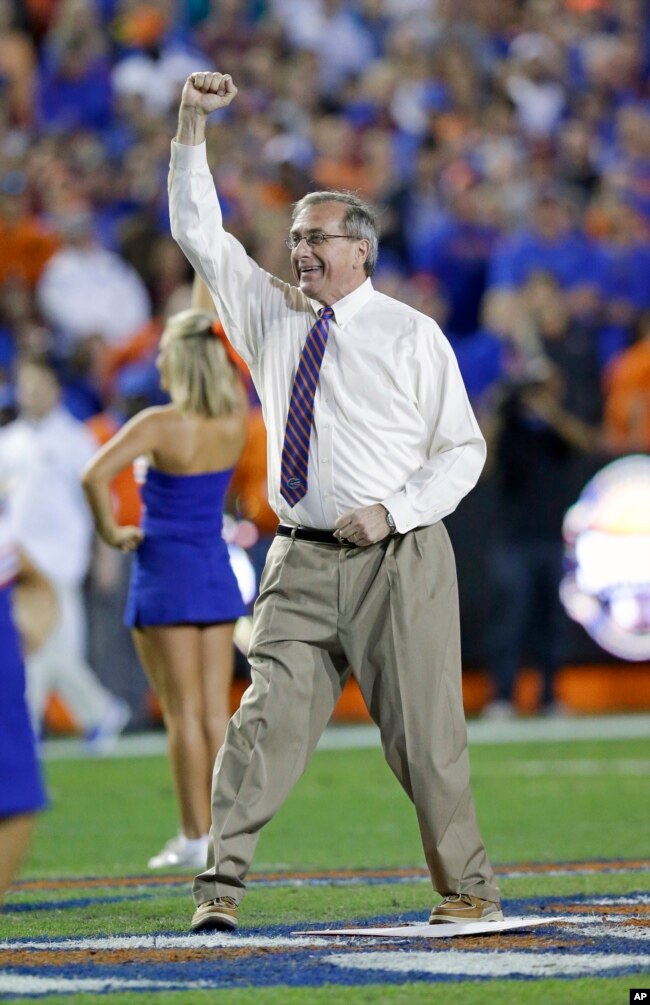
[(295, 450)]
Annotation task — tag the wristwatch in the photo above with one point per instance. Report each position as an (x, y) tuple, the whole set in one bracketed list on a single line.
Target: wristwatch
[(390, 521)]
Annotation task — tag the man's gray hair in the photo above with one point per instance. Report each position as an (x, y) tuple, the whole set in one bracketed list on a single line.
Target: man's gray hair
[(359, 220)]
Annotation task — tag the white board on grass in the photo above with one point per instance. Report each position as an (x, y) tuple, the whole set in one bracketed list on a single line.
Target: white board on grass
[(438, 931)]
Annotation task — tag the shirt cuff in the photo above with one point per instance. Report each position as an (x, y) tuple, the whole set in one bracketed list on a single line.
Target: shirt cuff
[(400, 511), (188, 156)]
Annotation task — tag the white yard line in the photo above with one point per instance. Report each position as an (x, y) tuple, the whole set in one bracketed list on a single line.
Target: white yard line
[(306, 939), (32, 985), (549, 730), (211, 940), (605, 727), (483, 964), (580, 766), (465, 963)]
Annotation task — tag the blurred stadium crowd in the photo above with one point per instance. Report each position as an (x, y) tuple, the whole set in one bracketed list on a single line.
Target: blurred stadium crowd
[(504, 143)]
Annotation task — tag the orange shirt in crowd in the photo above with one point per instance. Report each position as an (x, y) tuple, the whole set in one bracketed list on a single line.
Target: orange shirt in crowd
[(627, 402), (25, 247)]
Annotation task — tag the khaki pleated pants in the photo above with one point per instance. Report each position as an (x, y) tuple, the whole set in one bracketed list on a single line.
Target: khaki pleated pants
[(388, 614)]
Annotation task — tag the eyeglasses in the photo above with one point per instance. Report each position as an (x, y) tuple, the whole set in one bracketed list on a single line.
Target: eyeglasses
[(315, 240)]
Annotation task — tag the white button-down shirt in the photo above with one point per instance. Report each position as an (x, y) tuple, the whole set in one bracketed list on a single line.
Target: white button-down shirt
[(40, 467), (392, 423)]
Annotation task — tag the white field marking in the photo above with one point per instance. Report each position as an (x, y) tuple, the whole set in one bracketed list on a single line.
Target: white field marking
[(639, 898), (592, 766), (578, 871), (26, 984), (523, 730), (361, 879), (220, 940), (489, 964), (604, 727), (439, 931), (593, 727), (617, 930), (208, 940), (212, 940)]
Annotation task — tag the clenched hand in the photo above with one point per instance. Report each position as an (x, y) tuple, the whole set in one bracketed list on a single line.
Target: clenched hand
[(206, 92)]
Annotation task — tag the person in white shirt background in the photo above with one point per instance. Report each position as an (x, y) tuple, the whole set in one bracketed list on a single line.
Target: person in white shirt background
[(361, 576), (86, 290), (42, 454)]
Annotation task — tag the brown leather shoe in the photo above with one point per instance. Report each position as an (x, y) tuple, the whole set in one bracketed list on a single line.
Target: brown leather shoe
[(218, 915), (461, 908)]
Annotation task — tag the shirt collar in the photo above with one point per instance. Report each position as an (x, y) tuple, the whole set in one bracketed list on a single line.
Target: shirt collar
[(347, 307)]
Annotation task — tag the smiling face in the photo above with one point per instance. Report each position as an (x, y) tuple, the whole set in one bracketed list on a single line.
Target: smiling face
[(327, 272)]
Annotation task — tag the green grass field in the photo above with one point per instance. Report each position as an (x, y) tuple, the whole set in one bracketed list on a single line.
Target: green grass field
[(540, 805)]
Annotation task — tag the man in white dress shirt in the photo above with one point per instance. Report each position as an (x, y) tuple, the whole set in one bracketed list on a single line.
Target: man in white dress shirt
[(371, 443), (42, 454)]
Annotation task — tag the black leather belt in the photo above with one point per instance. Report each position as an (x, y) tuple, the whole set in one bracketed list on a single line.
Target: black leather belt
[(313, 535)]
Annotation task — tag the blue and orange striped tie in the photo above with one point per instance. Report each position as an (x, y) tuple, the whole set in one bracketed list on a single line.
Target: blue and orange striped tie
[(295, 450)]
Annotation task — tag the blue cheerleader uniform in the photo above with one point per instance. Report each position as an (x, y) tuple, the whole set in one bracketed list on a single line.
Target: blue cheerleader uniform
[(181, 572), (21, 785)]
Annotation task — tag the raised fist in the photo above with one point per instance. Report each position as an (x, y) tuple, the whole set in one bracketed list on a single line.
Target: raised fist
[(206, 92)]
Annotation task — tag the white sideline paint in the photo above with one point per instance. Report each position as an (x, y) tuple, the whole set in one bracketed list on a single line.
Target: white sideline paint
[(570, 727), (617, 930), (638, 898), (26, 984), (211, 940), (586, 870), (490, 964), (523, 730), (463, 963), (604, 727), (590, 927), (282, 882), (438, 931), (584, 766)]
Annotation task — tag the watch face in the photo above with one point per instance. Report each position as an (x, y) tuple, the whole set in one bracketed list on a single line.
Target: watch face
[(390, 522)]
